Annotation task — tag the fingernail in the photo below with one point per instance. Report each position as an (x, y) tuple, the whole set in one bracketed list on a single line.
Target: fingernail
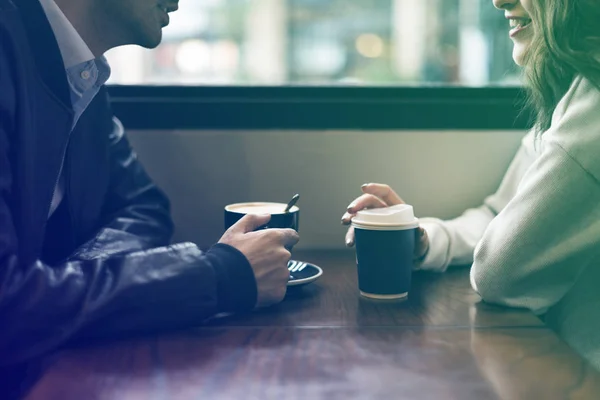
[(364, 186), (351, 206), (349, 243)]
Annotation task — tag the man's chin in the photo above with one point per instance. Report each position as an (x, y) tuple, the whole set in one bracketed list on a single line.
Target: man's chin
[(151, 41)]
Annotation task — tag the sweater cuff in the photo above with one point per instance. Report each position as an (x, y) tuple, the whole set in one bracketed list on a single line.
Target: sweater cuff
[(236, 284), (436, 258)]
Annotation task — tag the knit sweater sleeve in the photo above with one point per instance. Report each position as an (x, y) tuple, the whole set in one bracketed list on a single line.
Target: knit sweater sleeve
[(452, 242), (533, 252)]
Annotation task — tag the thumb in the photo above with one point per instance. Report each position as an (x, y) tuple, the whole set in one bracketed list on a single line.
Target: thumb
[(250, 222)]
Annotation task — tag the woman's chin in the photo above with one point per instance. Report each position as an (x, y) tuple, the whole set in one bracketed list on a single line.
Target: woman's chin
[(518, 57), (519, 52)]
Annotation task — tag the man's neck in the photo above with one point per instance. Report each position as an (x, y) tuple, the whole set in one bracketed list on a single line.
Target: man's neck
[(87, 25)]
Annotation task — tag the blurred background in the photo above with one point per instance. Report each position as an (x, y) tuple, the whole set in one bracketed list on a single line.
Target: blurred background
[(325, 42), (273, 43)]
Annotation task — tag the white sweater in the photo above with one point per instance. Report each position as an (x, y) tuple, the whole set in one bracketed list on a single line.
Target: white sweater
[(535, 243)]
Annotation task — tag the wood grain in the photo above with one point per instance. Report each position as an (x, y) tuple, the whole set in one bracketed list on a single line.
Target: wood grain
[(333, 300), (325, 341), (326, 363)]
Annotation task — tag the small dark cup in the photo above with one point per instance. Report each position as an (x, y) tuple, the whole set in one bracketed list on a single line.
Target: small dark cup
[(279, 218)]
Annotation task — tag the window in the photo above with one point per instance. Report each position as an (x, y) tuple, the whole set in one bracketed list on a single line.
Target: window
[(325, 42)]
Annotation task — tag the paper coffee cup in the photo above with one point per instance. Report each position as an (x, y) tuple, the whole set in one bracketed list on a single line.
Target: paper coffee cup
[(385, 242)]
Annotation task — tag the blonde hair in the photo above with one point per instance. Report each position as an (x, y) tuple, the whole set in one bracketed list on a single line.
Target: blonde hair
[(566, 44)]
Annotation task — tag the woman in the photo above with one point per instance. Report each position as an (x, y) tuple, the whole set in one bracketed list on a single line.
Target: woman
[(535, 243)]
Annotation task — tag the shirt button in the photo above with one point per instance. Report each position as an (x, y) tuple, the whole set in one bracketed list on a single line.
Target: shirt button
[(85, 74)]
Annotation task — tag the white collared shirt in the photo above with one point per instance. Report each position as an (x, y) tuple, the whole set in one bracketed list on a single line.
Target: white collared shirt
[(85, 74)]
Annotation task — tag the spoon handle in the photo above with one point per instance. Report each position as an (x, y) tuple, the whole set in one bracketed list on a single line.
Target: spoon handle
[(292, 202)]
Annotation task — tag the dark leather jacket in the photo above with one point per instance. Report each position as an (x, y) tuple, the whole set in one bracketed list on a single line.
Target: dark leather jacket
[(102, 264)]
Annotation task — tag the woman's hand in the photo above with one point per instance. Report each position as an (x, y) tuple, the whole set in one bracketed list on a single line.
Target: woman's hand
[(376, 195)]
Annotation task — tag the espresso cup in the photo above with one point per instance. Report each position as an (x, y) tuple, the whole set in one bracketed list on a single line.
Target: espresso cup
[(279, 218), (385, 243)]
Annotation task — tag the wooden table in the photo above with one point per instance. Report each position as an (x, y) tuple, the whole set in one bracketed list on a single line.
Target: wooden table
[(324, 341)]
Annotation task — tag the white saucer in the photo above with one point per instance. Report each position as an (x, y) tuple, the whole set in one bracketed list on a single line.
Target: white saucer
[(302, 272)]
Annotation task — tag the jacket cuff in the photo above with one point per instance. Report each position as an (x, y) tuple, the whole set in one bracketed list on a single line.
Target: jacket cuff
[(236, 284)]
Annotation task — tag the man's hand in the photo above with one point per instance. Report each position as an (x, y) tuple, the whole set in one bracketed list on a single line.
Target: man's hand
[(376, 195), (268, 254)]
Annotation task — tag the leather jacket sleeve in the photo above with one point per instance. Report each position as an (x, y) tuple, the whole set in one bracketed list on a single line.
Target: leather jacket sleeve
[(136, 211), (118, 292)]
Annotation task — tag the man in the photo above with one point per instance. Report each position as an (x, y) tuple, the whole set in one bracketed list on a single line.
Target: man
[(84, 233)]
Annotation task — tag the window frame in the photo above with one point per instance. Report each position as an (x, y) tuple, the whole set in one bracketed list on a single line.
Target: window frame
[(143, 107)]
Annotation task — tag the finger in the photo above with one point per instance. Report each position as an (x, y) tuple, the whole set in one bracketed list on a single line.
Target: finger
[(350, 237), (347, 218), (419, 234), (423, 238), (422, 242), (288, 257), (289, 237), (282, 294), (384, 192), (250, 222), (365, 201)]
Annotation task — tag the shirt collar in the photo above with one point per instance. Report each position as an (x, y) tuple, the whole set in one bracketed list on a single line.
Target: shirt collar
[(72, 47)]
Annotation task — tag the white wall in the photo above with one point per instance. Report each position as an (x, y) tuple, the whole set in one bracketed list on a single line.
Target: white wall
[(440, 173)]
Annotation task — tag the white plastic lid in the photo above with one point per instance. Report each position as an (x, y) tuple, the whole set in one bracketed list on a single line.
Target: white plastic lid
[(398, 217)]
